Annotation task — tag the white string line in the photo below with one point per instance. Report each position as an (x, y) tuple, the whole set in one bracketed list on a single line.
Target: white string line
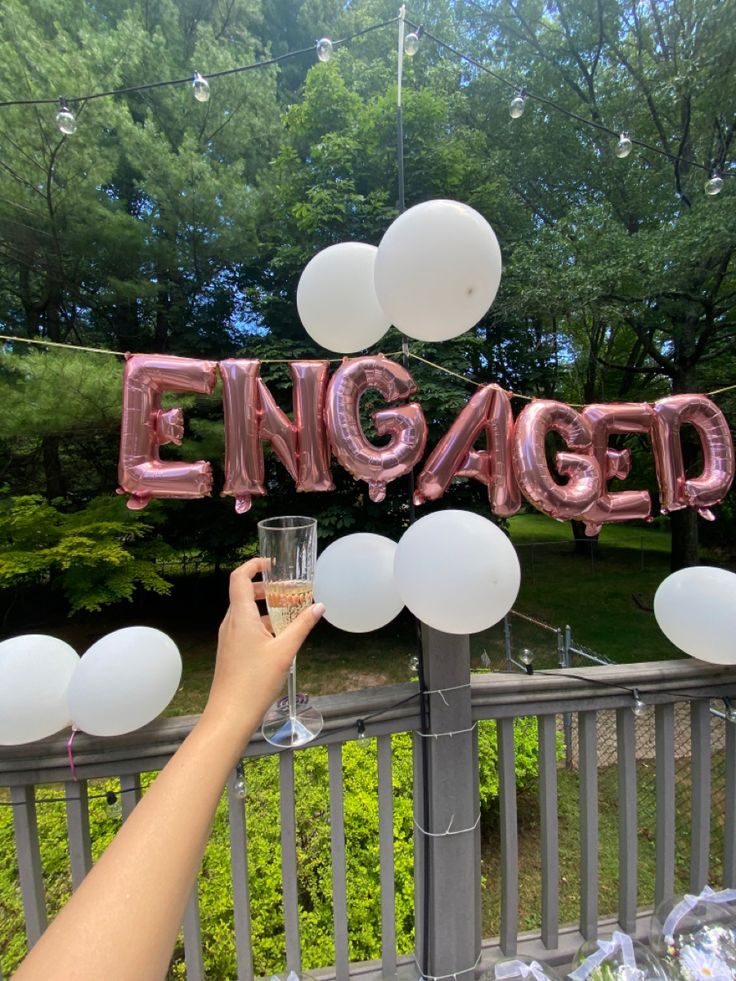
[(441, 691), (436, 735), (449, 832), (442, 977)]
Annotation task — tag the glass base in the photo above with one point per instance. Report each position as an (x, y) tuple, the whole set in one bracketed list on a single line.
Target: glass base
[(286, 731)]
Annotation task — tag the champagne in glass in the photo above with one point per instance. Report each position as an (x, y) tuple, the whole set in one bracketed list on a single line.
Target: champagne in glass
[(291, 545)]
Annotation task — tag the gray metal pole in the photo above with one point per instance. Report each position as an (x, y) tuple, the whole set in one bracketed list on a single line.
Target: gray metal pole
[(453, 932)]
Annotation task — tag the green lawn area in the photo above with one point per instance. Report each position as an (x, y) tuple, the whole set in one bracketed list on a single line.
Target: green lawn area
[(605, 597)]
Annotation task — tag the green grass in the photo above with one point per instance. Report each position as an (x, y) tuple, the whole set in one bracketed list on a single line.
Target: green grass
[(605, 597), (600, 597)]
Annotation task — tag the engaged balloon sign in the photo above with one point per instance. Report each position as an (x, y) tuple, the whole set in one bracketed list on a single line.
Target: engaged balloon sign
[(514, 463), (434, 275)]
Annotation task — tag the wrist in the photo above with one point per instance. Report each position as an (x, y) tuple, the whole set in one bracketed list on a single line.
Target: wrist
[(231, 727)]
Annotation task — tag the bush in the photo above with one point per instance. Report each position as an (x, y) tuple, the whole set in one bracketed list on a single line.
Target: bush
[(97, 555), (360, 786)]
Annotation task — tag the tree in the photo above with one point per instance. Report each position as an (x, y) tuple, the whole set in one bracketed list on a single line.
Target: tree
[(633, 245)]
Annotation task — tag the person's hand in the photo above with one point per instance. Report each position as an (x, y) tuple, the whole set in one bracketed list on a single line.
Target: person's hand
[(251, 663)]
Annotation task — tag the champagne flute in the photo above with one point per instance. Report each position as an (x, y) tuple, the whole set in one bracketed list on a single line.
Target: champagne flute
[(291, 545)]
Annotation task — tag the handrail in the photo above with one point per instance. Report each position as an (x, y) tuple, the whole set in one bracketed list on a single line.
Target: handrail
[(148, 748), (503, 695), (494, 695)]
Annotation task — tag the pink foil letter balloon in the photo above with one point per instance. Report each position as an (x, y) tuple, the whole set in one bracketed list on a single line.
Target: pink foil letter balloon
[(583, 487), (489, 411), (145, 427), (677, 490), (406, 425), (252, 417), (624, 417)]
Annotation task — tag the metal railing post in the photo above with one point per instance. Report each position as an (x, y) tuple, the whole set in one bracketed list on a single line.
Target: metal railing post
[(507, 642), (566, 662), (446, 801)]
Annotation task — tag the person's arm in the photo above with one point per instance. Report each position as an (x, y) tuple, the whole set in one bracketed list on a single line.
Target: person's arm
[(122, 923)]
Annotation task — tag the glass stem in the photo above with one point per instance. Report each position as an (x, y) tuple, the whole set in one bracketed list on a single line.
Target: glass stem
[(291, 690)]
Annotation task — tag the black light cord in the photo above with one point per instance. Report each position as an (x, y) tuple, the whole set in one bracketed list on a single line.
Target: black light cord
[(187, 81), (63, 800), (565, 112)]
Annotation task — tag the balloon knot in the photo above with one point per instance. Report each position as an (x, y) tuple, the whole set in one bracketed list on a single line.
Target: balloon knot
[(243, 503), (136, 502), (376, 491)]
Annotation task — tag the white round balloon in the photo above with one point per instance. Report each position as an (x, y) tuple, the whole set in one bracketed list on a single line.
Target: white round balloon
[(124, 681), (35, 672), (355, 580), (336, 298), (696, 609), (437, 270), (457, 571)]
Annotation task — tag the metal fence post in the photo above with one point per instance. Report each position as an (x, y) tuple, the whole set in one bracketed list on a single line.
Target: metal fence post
[(446, 802), (566, 662)]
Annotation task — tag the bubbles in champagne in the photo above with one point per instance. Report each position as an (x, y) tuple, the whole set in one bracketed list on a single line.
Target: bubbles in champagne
[(286, 600)]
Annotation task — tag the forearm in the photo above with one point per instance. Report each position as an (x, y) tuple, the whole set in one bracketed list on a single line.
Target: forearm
[(123, 921)]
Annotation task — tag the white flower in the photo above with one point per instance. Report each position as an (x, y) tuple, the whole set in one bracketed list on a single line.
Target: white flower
[(698, 965)]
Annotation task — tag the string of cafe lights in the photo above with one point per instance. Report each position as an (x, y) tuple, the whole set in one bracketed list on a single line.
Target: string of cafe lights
[(324, 47)]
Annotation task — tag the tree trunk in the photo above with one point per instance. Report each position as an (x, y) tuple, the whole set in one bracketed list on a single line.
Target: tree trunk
[(684, 526), (53, 471)]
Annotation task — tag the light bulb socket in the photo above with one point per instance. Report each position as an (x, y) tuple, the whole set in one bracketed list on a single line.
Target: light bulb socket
[(111, 797), (360, 726)]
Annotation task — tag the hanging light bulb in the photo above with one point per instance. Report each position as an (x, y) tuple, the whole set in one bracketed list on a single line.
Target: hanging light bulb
[(714, 184), (239, 789), (201, 88), (113, 805), (730, 710), (517, 104), (527, 659), (414, 664), (360, 726), (624, 146), (638, 708), (324, 49), (411, 44), (65, 120)]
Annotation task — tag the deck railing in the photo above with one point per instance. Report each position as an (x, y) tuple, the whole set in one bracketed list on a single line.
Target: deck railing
[(447, 841)]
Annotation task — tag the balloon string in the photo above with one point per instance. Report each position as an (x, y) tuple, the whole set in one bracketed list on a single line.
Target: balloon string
[(70, 754), (72, 347), (391, 354)]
